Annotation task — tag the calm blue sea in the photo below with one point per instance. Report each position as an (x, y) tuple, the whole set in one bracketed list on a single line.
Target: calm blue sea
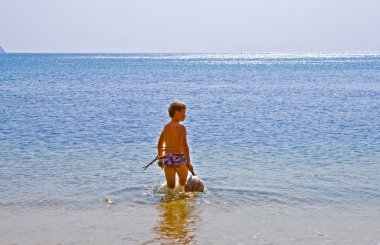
[(287, 144)]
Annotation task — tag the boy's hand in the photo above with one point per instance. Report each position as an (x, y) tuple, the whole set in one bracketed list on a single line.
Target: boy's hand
[(161, 159), (191, 169), (160, 164)]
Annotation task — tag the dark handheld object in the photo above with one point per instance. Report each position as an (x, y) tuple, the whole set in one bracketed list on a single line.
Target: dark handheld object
[(155, 159), (192, 172)]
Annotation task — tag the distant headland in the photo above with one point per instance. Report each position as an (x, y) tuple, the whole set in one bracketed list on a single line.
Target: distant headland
[(2, 51)]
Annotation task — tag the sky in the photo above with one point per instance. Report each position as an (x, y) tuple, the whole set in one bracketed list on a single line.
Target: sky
[(189, 26)]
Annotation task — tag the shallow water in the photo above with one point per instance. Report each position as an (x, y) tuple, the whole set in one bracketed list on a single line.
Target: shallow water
[(288, 146)]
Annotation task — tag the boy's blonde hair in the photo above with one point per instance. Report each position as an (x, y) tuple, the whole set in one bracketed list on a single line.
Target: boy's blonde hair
[(175, 106)]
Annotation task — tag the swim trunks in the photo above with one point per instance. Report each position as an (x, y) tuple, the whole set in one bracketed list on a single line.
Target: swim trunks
[(174, 159)]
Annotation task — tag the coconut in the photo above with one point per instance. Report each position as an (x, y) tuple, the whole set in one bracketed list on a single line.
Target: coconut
[(194, 183)]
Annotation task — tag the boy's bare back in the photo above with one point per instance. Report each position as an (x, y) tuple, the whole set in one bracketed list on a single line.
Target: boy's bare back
[(174, 135)]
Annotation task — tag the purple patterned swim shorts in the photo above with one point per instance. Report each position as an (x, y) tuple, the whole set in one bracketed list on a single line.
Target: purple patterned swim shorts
[(174, 159)]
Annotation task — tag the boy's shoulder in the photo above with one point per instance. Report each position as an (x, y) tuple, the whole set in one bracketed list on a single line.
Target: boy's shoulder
[(182, 128), (177, 126)]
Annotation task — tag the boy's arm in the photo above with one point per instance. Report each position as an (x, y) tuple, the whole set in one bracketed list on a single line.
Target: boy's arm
[(186, 148), (160, 146)]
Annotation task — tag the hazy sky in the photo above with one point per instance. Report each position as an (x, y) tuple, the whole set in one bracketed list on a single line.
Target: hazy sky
[(189, 25)]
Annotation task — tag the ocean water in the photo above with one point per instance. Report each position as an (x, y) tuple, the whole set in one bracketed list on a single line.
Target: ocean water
[(287, 144)]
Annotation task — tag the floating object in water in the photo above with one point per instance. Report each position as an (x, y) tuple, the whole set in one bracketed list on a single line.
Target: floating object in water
[(108, 200), (194, 183)]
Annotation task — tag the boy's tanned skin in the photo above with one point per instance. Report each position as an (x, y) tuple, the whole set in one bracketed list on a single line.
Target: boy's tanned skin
[(173, 136)]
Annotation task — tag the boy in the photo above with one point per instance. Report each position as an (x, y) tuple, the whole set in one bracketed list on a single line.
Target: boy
[(177, 157)]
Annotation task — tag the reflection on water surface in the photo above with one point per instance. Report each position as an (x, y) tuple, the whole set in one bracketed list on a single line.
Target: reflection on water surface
[(178, 220)]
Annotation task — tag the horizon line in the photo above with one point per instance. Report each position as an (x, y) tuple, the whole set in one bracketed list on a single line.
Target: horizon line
[(170, 52)]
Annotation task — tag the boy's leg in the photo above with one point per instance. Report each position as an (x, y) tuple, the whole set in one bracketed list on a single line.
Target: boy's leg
[(182, 172), (170, 176)]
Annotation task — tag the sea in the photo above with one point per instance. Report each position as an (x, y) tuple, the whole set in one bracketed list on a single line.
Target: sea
[(286, 144)]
